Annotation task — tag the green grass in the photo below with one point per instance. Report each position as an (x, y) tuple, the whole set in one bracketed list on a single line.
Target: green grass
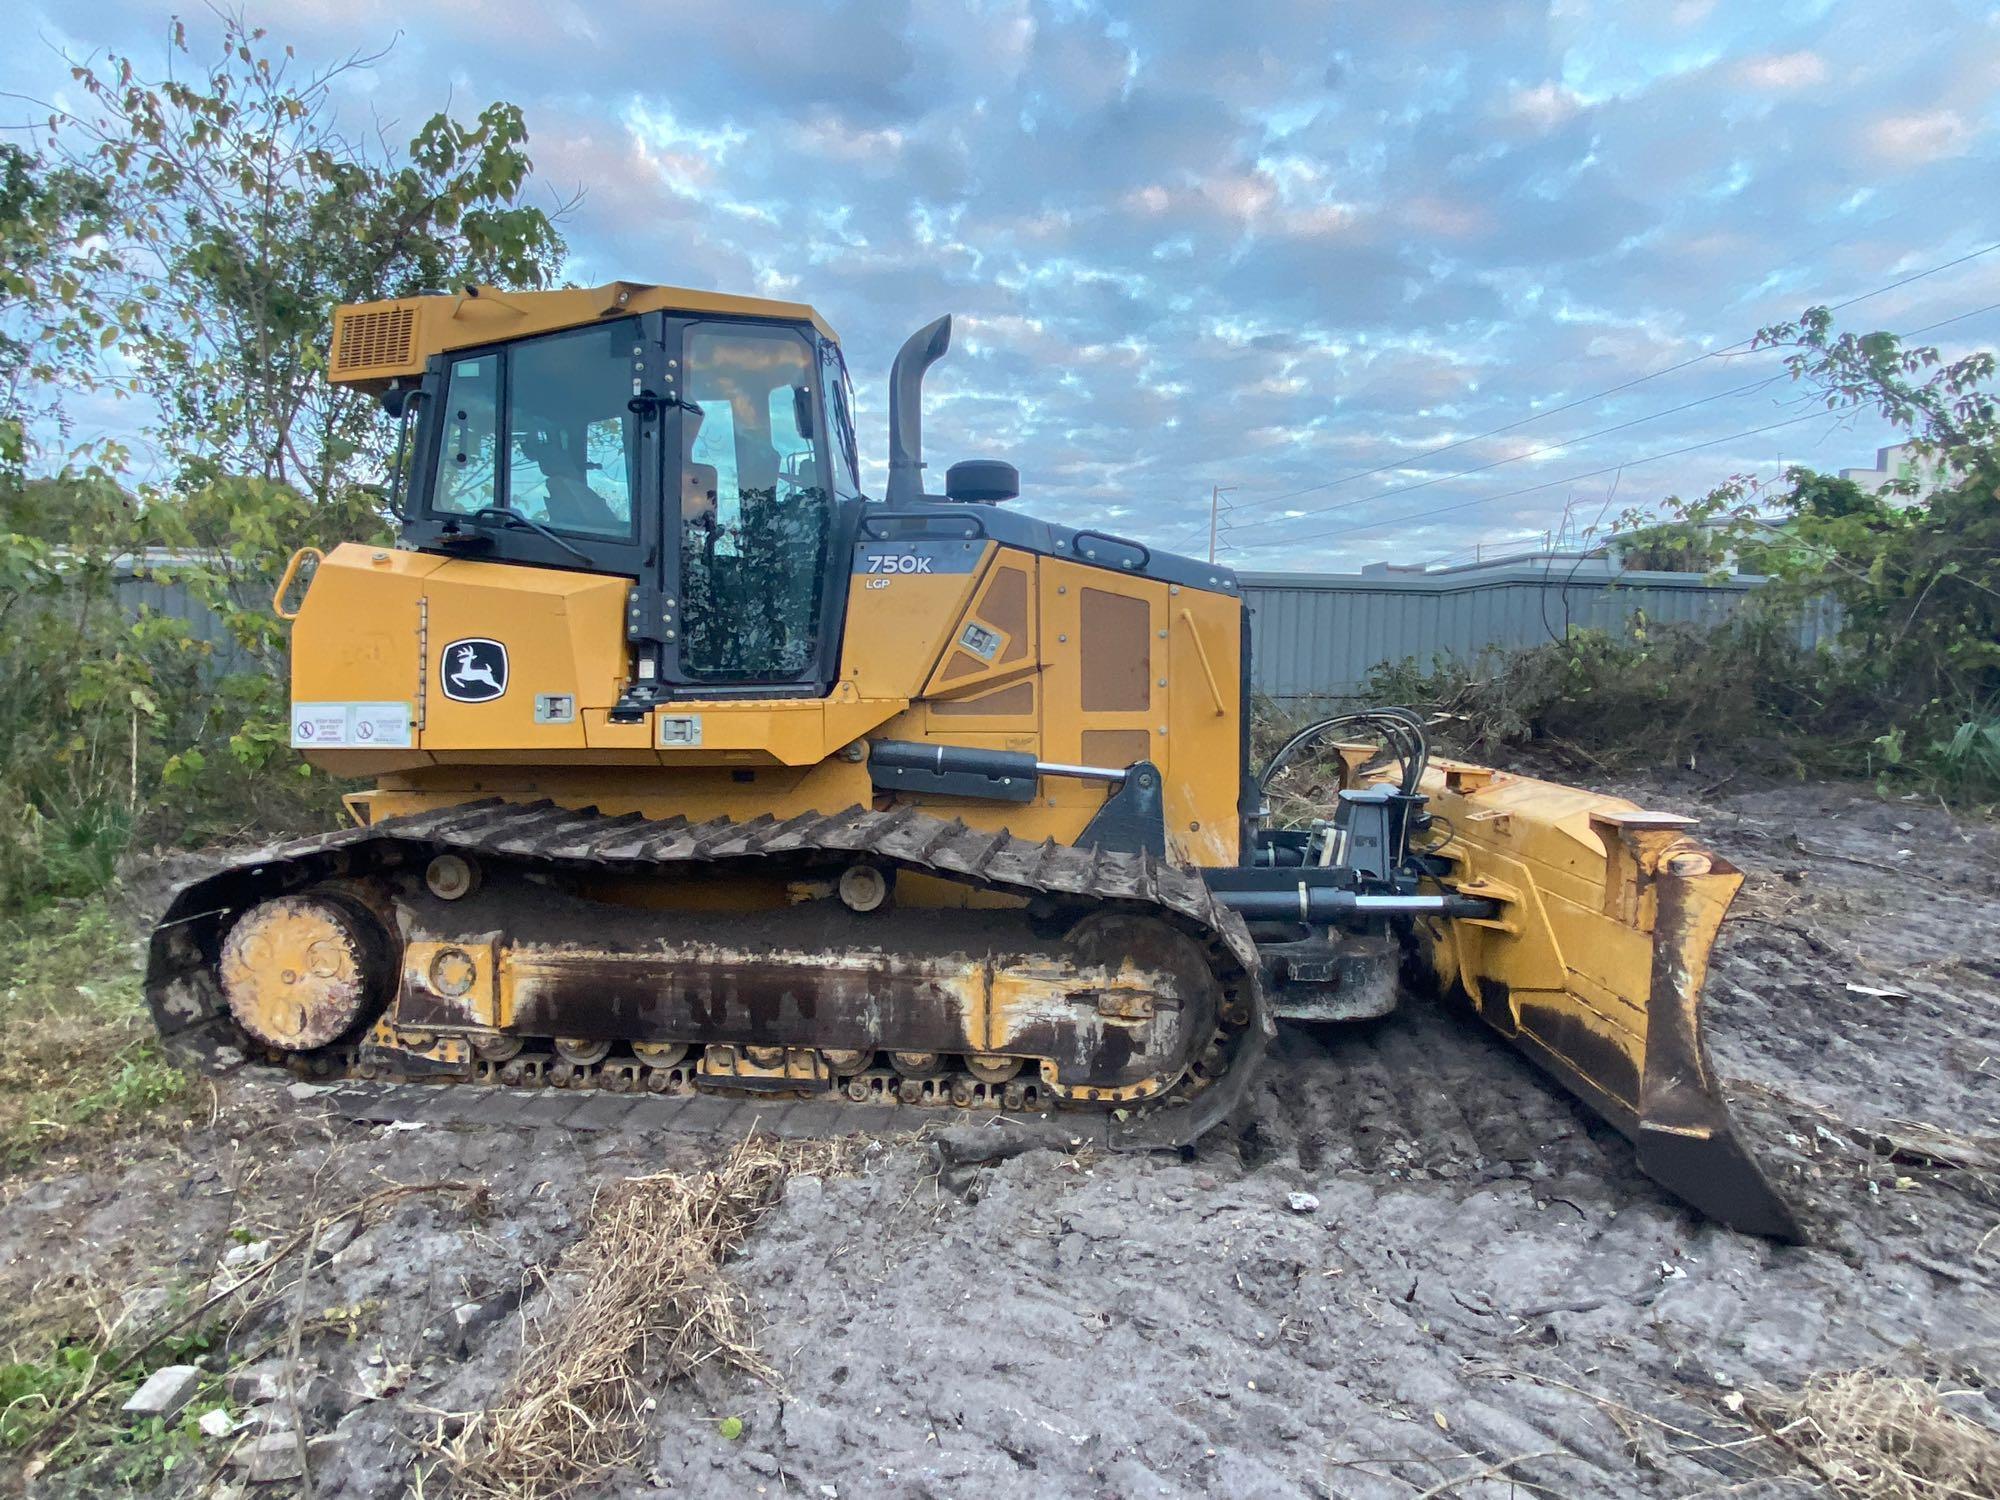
[(81, 1066), (99, 1447)]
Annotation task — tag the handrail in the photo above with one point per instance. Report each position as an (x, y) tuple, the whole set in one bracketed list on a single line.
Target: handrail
[(285, 582)]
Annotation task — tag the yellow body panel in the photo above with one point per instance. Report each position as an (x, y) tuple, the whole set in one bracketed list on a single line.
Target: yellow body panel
[(1068, 662)]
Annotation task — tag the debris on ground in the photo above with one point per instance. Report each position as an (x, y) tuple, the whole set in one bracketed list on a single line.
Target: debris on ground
[(642, 1296), (1873, 1436)]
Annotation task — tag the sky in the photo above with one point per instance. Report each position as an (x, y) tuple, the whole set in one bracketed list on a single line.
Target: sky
[(1333, 255)]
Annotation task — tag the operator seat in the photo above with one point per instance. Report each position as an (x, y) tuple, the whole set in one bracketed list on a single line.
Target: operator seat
[(575, 506)]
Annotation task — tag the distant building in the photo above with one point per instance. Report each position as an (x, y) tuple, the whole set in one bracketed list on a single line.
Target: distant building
[(1900, 461)]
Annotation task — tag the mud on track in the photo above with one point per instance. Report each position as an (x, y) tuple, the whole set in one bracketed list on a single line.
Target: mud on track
[(1487, 1282)]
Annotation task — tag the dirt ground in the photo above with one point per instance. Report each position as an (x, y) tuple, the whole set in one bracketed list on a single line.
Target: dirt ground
[(1488, 1299)]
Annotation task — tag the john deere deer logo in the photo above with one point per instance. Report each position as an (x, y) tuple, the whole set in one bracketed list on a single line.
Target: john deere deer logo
[(474, 671)]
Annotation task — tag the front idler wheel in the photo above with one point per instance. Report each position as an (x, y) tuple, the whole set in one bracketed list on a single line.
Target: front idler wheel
[(301, 972)]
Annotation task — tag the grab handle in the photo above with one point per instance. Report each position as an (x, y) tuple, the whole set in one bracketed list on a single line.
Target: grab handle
[(285, 582)]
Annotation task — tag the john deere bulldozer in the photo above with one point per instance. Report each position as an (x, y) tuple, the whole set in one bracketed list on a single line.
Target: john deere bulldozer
[(695, 769)]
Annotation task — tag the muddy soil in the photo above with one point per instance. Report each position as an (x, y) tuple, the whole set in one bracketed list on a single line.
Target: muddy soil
[(1479, 1286)]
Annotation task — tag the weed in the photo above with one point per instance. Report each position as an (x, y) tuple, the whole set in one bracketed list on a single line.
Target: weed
[(102, 1443), (82, 1064), (1969, 761)]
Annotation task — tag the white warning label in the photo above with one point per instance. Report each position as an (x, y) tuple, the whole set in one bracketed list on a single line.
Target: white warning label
[(359, 726)]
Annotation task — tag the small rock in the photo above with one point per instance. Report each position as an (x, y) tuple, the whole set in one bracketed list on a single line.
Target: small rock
[(1302, 1203), (760, 1461), (304, 1091), (272, 1457), (217, 1423), (338, 1235), (165, 1392), (276, 1456), (469, 1319), (252, 1385), (252, 1254), (359, 1250)]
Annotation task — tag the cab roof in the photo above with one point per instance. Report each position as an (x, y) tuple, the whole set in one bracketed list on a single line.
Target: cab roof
[(375, 343)]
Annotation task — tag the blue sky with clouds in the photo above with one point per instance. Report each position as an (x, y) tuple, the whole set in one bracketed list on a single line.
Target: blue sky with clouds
[(1285, 246)]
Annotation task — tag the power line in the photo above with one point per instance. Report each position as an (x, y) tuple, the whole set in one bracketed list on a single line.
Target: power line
[(1609, 391), (1425, 515)]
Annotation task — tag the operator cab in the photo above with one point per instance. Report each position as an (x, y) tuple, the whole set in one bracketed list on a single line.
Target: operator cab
[(709, 457)]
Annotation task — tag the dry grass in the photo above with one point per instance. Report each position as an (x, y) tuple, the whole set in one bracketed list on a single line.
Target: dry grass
[(1871, 1436), (642, 1297)]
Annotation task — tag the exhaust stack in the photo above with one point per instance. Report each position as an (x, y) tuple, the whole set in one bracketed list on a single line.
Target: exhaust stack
[(920, 351)]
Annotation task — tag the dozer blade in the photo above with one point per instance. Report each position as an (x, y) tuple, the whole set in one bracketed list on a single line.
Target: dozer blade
[(1594, 965)]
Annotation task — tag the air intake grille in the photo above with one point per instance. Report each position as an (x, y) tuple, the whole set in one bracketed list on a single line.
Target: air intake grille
[(371, 340)]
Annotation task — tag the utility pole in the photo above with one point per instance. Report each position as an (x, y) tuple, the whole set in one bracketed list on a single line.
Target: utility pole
[(1215, 494)]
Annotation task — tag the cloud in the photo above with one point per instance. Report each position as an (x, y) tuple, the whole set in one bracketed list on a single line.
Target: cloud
[(1270, 243), (1782, 70), (1542, 107), (1914, 139)]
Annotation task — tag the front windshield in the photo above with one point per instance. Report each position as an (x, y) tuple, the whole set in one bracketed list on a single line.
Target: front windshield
[(755, 509), (572, 450)]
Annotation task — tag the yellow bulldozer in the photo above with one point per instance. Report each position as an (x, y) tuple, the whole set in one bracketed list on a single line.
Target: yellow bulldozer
[(694, 769)]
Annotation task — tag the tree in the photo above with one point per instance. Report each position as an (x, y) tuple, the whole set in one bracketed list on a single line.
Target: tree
[(1915, 576), (246, 214), (184, 238), (54, 322)]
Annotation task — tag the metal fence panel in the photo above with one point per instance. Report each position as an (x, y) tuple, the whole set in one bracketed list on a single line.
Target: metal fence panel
[(148, 583), (1319, 635)]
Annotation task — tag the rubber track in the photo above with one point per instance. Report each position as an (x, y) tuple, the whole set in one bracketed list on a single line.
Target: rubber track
[(193, 1021)]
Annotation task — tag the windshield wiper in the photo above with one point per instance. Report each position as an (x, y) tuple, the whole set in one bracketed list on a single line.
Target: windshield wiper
[(515, 521)]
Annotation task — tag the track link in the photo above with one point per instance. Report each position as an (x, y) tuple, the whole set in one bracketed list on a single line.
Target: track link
[(197, 1028)]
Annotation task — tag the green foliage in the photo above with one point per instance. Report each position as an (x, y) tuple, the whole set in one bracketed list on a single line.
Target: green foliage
[(101, 1445), (1969, 761), (83, 1065), (183, 239), (1675, 694), (1669, 547), (248, 215), (56, 321)]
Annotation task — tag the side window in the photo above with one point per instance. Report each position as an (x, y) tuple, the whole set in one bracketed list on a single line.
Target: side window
[(467, 472), (840, 437), (572, 445)]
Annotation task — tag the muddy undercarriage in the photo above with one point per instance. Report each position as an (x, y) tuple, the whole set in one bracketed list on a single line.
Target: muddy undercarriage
[(537, 946)]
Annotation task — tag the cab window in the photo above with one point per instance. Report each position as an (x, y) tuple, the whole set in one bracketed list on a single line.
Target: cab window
[(572, 450), (755, 508)]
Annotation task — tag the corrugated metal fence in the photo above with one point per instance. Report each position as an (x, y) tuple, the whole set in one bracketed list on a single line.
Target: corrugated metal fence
[(1317, 635), (146, 581)]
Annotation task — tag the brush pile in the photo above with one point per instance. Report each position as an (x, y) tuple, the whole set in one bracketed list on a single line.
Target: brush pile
[(641, 1300), (1871, 1436)]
